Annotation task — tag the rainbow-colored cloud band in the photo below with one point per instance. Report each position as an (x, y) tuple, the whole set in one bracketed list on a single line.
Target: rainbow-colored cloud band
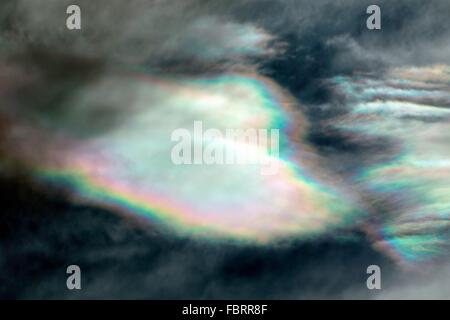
[(411, 109), (129, 167)]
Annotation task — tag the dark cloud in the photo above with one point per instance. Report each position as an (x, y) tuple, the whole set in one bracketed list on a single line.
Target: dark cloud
[(121, 258)]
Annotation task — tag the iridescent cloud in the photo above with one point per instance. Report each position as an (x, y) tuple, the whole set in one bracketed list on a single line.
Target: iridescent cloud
[(129, 168), (411, 108)]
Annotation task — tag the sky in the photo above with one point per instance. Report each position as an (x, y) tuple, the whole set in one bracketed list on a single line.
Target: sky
[(363, 170)]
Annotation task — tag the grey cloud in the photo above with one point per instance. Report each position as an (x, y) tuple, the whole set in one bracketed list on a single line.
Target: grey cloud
[(147, 33)]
